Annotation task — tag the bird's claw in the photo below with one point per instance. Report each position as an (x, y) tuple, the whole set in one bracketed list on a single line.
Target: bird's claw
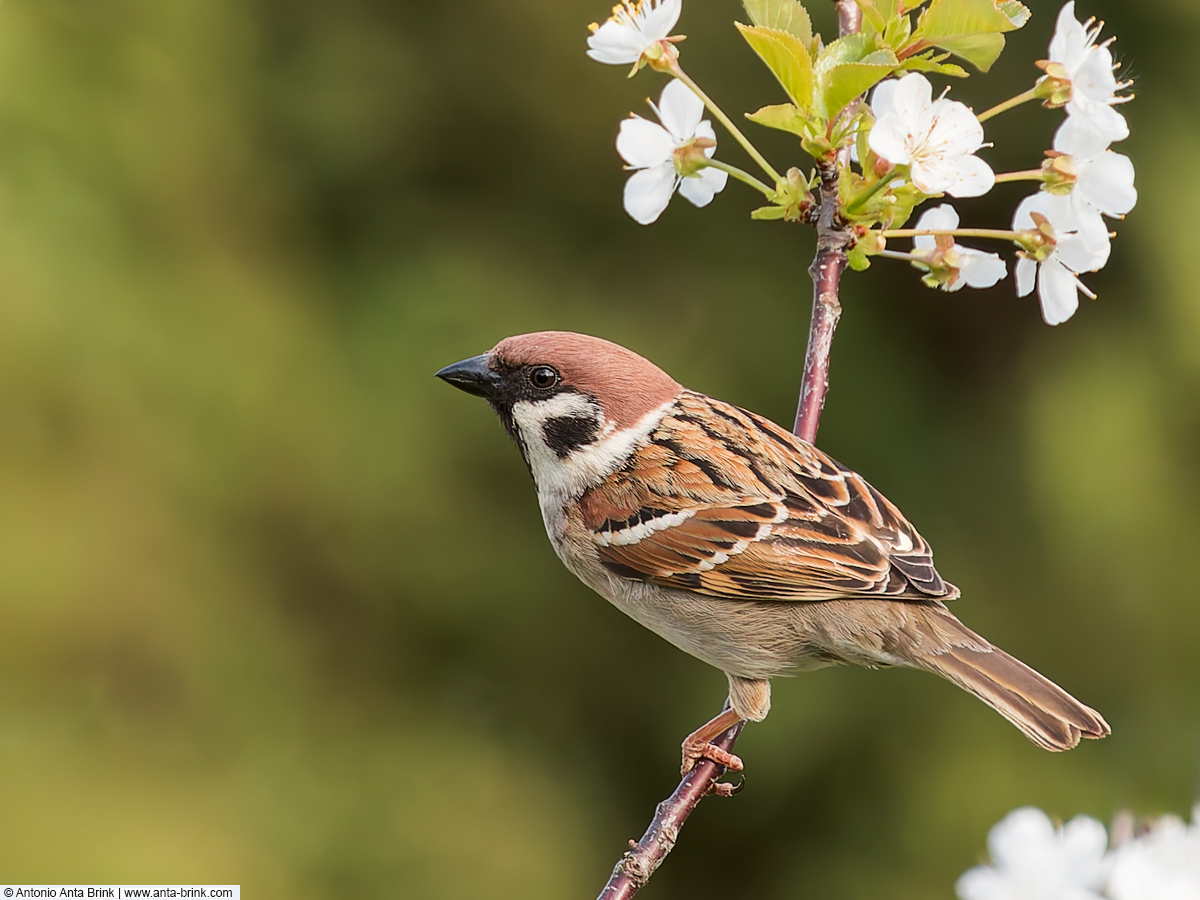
[(727, 788), (693, 752)]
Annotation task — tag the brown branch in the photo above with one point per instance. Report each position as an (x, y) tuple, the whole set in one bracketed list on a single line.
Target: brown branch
[(644, 857), (826, 271), (849, 17)]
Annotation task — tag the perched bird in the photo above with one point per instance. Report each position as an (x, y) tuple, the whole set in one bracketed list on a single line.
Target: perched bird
[(735, 540)]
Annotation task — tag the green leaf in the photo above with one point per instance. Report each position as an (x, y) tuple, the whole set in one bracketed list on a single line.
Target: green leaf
[(786, 57), (971, 29), (768, 212), (873, 16), (858, 260), (932, 62), (981, 50), (849, 67), (781, 15), (1017, 12), (783, 116), (897, 32)]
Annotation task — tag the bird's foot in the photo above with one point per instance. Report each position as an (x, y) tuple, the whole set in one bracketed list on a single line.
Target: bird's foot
[(727, 788), (696, 750)]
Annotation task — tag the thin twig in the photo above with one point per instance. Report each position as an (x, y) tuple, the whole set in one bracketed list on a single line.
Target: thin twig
[(826, 271), (644, 857)]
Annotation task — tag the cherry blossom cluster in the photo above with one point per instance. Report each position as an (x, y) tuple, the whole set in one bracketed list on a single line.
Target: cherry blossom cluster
[(902, 147), (1033, 859)]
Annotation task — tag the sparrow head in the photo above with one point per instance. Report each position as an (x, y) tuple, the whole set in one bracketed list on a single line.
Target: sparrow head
[(574, 404)]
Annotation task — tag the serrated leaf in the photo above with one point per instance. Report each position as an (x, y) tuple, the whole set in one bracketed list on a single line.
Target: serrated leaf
[(873, 16), (971, 29), (1017, 12), (766, 213), (850, 48), (897, 33), (841, 82), (933, 64), (785, 55), (783, 116), (781, 15)]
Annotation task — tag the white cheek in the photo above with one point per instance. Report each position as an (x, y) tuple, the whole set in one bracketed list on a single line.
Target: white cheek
[(550, 472), (564, 479)]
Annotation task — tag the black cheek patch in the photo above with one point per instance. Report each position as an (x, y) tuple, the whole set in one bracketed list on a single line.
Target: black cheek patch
[(565, 434)]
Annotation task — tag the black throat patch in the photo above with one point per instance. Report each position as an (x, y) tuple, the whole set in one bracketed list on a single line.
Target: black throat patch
[(566, 434)]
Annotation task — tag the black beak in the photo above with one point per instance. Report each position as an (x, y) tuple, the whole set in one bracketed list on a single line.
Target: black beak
[(472, 375)]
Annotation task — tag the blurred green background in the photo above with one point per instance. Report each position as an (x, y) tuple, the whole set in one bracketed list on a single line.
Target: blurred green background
[(278, 608)]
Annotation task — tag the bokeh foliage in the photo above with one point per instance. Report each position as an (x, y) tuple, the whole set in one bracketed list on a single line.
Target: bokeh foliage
[(277, 608)]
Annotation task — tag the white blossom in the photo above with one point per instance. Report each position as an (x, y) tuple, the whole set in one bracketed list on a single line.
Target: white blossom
[(1087, 67), (657, 151), (1034, 860), (632, 29), (1076, 249), (1103, 181), (1162, 864), (936, 139), (953, 265)]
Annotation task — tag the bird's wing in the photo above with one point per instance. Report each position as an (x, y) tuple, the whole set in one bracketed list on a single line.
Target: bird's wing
[(723, 502)]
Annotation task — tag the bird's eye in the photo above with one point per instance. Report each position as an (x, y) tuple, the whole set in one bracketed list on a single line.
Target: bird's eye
[(543, 377)]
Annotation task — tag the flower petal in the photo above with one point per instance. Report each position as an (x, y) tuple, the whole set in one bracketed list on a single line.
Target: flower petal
[(1070, 40), (1020, 834), (1079, 136), (883, 100), (1094, 78), (972, 177), (701, 188), (982, 883), (648, 192), (939, 218), (1025, 273), (643, 143), (1084, 842), (954, 130), (913, 103), (889, 138), (680, 110), (660, 20), (1040, 202), (979, 269), (1101, 118), (1085, 250), (1058, 292), (1106, 182), (615, 44)]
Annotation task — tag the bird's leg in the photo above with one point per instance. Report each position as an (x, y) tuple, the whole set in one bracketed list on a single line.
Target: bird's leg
[(699, 744)]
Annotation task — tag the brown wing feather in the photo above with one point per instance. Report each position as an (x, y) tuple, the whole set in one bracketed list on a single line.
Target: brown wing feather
[(760, 514)]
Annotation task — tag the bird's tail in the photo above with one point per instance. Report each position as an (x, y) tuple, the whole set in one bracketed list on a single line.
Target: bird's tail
[(1048, 715)]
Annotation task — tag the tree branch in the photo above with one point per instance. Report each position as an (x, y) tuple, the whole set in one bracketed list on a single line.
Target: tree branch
[(826, 272), (645, 856)]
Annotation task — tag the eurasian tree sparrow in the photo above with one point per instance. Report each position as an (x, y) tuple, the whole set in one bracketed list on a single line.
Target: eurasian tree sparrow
[(735, 540)]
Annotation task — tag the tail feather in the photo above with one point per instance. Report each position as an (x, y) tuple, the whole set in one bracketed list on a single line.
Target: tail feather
[(1044, 712)]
